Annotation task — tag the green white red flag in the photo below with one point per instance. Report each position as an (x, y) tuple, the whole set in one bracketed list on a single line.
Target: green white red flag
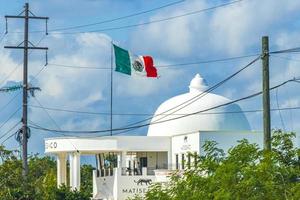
[(130, 64)]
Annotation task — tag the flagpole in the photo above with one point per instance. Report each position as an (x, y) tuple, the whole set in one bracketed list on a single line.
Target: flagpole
[(111, 89)]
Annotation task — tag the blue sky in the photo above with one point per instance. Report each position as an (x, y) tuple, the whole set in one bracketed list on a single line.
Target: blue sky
[(234, 30)]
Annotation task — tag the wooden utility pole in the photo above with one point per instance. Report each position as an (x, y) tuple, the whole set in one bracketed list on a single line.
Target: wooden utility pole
[(27, 15), (266, 93)]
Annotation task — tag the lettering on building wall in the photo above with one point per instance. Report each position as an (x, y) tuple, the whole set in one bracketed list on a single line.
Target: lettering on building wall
[(186, 146), (141, 186), (135, 191), (51, 145)]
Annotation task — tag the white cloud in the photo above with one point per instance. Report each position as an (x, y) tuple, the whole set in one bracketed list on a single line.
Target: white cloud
[(230, 30)]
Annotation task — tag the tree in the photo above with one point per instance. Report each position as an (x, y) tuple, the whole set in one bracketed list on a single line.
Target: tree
[(41, 181), (245, 172)]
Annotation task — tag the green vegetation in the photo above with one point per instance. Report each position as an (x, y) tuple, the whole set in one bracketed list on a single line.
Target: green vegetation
[(41, 181), (245, 172)]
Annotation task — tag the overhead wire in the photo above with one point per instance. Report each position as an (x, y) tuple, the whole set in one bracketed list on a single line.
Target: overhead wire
[(290, 50), (17, 65), (7, 132), (179, 117), (14, 97), (202, 94), (280, 51), (2, 37), (76, 67), (10, 101), (152, 114), (279, 111), (197, 97), (153, 21), (117, 18), (53, 121), (162, 66), (6, 121)]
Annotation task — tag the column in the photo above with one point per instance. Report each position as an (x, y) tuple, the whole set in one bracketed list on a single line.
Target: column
[(61, 169), (75, 171), (123, 158), (170, 164), (123, 162), (119, 162), (71, 158)]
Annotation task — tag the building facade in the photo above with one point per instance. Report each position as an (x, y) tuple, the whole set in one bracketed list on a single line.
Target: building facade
[(128, 165)]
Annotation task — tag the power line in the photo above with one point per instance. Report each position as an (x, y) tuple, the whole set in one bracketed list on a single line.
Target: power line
[(11, 116), (208, 61), (117, 18), (277, 103), (53, 121), (154, 21), (7, 132), (3, 107), (291, 50), (49, 116), (16, 67), (76, 67), (161, 66), (197, 97), (152, 114), (2, 37), (147, 124)]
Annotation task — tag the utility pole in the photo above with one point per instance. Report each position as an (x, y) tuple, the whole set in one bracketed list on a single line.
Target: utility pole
[(266, 93), (27, 15)]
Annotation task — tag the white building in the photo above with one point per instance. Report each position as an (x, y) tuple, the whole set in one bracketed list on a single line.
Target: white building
[(127, 165)]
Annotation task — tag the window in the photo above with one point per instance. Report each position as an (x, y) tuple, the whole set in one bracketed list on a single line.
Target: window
[(182, 161), (195, 159), (189, 161), (177, 164)]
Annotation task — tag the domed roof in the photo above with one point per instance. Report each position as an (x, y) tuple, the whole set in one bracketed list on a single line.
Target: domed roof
[(224, 118)]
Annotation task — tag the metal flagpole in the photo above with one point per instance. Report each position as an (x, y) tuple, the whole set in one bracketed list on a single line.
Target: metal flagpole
[(111, 89)]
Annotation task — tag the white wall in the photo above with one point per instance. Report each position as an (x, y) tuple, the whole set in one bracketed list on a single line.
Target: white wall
[(120, 187), (184, 144)]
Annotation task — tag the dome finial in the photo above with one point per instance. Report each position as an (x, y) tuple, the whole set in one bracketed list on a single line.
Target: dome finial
[(198, 84)]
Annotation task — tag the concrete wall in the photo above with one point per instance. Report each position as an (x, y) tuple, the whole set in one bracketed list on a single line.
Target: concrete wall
[(119, 187), (183, 145)]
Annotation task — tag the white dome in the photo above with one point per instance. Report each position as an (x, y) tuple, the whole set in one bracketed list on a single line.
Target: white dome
[(224, 118)]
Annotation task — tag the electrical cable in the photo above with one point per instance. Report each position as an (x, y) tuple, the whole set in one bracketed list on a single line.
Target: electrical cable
[(151, 114), (11, 116), (197, 97), (153, 21), (2, 37), (277, 103), (207, 61), (16, 67), (190, 114), (7, 132), (54, 122), (162, 66), (76, 67), (10, 101), (117, 18), (291, 50), (203, 93)]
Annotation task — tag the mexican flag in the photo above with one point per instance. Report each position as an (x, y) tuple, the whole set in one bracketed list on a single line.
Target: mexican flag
[(130, 64)]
